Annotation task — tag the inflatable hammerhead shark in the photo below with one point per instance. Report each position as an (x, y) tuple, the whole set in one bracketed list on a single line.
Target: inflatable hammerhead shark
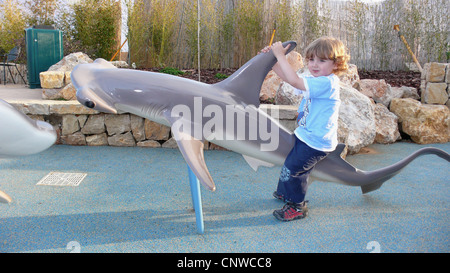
[(20, 136), (226, 113)]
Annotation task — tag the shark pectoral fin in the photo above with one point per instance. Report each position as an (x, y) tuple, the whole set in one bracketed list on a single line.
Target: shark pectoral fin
[(192, 151), (255, 163), (371, 187)]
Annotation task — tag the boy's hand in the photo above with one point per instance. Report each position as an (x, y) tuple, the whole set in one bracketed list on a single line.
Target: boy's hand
[(279, 50), (266, 49)]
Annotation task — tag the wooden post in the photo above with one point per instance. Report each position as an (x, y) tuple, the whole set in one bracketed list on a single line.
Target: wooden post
[(397, 28)]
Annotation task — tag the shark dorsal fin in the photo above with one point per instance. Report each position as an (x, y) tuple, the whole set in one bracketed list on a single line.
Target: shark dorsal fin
[(247, 81)]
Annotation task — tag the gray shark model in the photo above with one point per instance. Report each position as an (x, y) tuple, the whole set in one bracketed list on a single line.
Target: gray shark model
[(226, 114), (20, 136)]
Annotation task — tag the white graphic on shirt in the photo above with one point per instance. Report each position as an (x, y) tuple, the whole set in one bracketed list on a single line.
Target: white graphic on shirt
[(301, 120)]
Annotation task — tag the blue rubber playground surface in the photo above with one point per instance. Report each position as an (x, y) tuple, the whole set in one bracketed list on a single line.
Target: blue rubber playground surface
[(139, 200)]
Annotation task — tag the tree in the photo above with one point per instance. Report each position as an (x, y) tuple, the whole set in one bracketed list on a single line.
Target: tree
[(12, 24), (97, 25), (42, 11)]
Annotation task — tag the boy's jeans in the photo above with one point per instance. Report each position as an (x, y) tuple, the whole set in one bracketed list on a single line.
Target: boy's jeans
[(293, 181)]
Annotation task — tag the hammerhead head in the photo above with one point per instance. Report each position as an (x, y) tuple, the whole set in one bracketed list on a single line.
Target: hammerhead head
[(226, 113), (20, 136)]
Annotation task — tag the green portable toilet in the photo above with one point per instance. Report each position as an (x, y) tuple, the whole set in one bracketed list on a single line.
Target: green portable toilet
[(44, 49)]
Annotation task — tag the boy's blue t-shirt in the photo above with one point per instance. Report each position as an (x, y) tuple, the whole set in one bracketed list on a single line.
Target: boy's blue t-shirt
[(318, 112)]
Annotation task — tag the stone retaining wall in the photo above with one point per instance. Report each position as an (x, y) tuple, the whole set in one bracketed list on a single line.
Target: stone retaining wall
[(23, 70), (78, 125), (435, 83)]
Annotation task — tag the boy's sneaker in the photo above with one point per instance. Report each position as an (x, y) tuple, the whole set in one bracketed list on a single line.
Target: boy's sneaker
[(291, 211)]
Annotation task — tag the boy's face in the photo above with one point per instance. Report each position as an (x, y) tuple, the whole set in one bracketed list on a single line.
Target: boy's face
[(321, 67)]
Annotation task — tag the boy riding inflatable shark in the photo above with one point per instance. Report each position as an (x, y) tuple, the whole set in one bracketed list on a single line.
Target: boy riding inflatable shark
[(197, 111)]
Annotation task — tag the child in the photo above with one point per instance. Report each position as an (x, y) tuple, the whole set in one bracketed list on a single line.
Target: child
[(316, 134)]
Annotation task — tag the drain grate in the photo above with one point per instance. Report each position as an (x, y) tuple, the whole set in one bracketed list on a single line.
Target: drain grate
[(62, 179)]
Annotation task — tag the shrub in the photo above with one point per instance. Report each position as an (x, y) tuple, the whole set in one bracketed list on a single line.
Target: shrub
[(171, 71), (151, 31), (97, 25), (221, 76), (12, 24)]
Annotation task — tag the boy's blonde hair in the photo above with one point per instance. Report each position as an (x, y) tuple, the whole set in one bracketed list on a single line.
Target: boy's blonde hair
[(331, 49)]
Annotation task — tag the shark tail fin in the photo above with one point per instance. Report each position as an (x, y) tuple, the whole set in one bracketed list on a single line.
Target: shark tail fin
[(247, 81), (388, 172)]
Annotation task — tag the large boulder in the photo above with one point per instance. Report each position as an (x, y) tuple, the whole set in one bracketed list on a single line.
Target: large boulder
[(351, 76), (356, 119), (405, 92), (386, 124), (56, 82), (435, 93), (434, 72), (286, 95), (52, 79), (425, 123), (272, 81), (378, 90), (70, 61)]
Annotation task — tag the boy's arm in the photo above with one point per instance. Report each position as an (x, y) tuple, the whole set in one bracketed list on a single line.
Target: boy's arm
[(277, 69), (284, 69)]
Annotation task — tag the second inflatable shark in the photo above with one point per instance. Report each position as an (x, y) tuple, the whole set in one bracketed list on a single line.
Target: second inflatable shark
[(21, 136), (226, 114)]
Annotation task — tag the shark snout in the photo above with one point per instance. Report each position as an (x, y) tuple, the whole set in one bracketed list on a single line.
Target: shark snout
[(100, 106), (96, 101), (44, 126)]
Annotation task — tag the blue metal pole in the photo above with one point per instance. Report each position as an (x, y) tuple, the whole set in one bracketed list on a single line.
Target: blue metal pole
[(196, 200)]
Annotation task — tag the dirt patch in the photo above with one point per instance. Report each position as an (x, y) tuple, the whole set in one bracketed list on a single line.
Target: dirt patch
[(368, 150), (394, 78), (208, 76)]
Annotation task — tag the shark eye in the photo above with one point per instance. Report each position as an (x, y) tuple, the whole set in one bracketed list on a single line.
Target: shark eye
[(89, 104)]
